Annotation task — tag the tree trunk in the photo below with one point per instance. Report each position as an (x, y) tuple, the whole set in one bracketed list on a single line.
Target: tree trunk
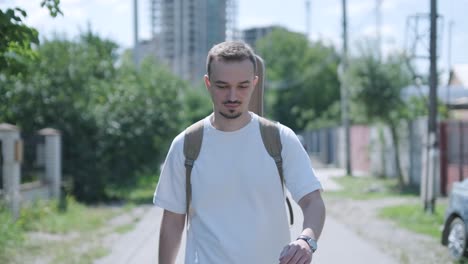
[(396, 143)]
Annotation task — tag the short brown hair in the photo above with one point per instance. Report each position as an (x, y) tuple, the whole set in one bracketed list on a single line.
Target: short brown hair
[(231, 51)]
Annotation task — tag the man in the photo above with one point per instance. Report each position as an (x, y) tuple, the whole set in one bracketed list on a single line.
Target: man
[(237, 212)]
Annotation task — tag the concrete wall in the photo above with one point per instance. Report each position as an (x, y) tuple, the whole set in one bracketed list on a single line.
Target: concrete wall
[(13, 192)]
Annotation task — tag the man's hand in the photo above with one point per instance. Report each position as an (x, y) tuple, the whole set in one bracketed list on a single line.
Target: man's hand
[(297, 252)]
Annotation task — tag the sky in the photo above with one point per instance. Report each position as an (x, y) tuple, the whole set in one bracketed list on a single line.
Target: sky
[(114, 19)]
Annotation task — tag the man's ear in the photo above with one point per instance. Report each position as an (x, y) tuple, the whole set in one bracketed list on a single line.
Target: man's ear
[(255, 81), (207, 81)]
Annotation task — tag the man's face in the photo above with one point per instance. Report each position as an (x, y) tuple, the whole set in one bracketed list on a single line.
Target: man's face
[(231, 85)]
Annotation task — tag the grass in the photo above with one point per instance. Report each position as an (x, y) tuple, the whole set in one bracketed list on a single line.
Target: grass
[(365, 188), (69, 255), (409, 216), (11, 235), (413, 217), (44, 217), (124, 228), (73, 231)]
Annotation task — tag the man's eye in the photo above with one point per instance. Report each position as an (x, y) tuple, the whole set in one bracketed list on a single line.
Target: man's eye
[(222, 87), (244, 86)]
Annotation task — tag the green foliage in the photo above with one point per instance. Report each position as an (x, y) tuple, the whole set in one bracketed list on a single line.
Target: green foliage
[(73, 240), (59, 92), (197, 105), (376, 90), (376, 86), (138, 193), (53, 6), (138, 120), (45, 216), (303, 78), (115, 121), (18, 38), (11, 234)]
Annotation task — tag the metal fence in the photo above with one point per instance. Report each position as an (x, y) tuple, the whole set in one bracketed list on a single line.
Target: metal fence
[(454, 153), (372, 150)]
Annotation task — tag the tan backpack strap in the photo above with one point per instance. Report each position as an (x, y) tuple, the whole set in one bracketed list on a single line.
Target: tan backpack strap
[(272, 141), (192, 145)]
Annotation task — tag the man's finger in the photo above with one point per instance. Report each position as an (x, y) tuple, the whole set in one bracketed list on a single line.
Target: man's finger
[(285, 249), (296, 255), (288, 255), (305, 259)]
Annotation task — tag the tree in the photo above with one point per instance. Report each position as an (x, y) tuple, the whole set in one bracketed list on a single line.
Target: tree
[(59, 92), (18, 38), (115, 121), (303, 78), (138, 118), (377, 92)]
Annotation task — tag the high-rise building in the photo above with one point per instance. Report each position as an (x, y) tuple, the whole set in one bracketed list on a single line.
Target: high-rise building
[(187, 29), (251, 35)]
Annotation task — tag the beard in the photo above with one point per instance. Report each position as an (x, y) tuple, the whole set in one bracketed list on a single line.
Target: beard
[(231, 115)]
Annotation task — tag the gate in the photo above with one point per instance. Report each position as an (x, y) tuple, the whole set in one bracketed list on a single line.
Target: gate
[(34, 182), (33, 165)]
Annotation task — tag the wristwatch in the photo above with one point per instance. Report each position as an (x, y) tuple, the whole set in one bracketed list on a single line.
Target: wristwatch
[(312, 243)]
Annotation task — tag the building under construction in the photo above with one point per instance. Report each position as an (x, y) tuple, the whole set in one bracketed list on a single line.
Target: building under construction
[(183, 31)]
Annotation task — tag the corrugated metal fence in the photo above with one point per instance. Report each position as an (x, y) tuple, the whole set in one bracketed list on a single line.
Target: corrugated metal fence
[(454, 153), (372, 150)]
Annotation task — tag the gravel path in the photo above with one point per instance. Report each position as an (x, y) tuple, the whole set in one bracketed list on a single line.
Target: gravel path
[(404, 246)]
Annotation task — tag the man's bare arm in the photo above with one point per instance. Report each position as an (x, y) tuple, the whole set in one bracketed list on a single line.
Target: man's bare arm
[(172, 226), (313, 208), (298, 251)]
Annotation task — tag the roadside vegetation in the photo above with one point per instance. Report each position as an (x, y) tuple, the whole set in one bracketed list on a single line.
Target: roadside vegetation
[(409, 215), (75, 235)]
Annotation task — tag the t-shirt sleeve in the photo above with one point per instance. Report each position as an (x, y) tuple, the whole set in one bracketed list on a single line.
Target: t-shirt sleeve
[(299, 176), (170, 191)]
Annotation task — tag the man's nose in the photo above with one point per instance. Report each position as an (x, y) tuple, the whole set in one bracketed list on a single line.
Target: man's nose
[(232, 94)]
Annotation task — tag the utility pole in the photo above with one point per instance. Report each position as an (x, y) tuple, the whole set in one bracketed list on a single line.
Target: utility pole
[(378, 27), (449, 58), (135, 32), (307, 10), (344, 91), (433, 146)]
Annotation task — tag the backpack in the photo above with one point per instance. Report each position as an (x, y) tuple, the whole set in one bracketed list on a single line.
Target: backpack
[(269, 131)]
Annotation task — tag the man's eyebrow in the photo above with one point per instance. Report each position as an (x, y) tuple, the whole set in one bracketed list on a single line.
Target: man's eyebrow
[(223, 82)]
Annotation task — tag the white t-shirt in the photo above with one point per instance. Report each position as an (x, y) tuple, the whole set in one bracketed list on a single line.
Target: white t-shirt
[(238, 212)]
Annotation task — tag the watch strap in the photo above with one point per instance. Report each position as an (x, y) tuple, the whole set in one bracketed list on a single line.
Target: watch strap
[(310, 241)]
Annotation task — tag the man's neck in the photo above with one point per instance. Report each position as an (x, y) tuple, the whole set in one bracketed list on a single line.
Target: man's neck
[(228, 125)]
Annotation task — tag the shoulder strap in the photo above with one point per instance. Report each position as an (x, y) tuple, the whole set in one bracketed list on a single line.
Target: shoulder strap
[(192, 145), (272, 141)]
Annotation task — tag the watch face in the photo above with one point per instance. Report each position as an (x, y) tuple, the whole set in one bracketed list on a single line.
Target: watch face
[(312, 244)]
